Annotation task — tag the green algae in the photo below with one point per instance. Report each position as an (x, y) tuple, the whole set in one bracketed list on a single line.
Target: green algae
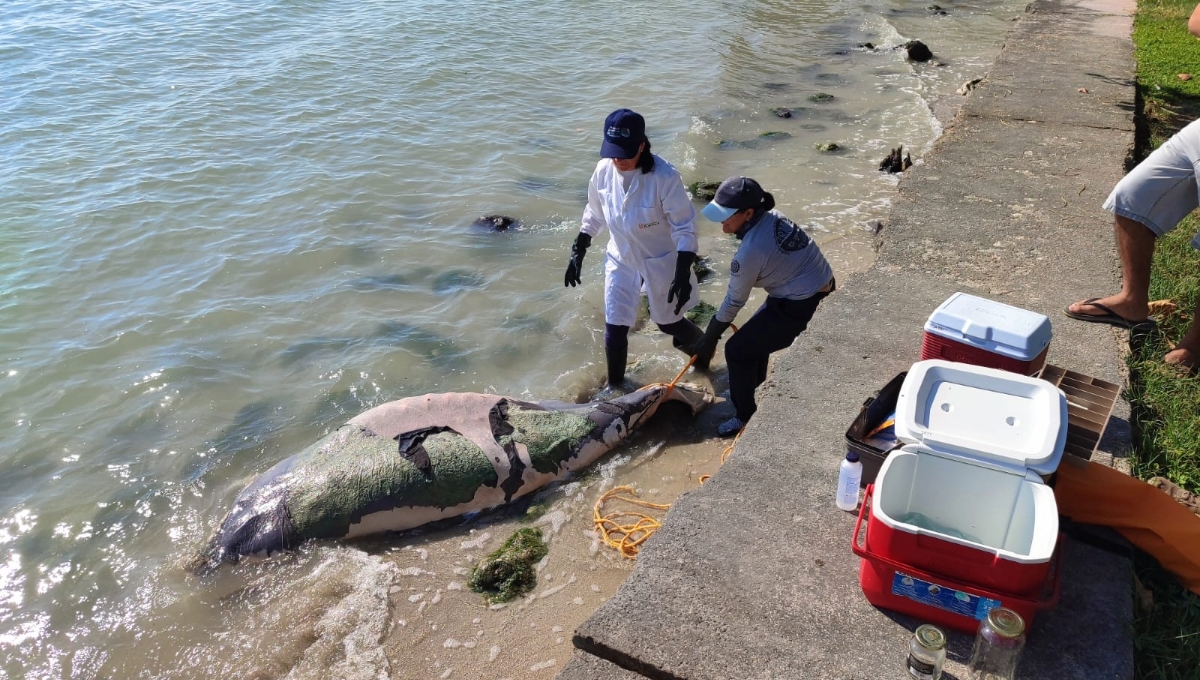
[(509, 572), (369, 472), (701, 314), (535, 511), (552, 437)]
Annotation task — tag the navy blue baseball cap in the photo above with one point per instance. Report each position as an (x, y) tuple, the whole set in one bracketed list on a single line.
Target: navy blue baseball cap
[(735, 194), (624, 132)]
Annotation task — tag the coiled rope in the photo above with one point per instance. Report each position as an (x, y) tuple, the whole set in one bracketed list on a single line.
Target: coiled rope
[(626, 530)]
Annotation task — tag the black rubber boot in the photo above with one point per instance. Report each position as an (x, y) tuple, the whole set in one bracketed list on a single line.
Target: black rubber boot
[(616, 353), (684, 334), (616, 357)]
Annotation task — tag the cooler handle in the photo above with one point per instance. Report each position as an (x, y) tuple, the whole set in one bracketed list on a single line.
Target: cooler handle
[(862, 511), (865, 553)]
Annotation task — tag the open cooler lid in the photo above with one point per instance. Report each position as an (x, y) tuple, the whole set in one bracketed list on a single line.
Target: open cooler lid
[(983, 416)]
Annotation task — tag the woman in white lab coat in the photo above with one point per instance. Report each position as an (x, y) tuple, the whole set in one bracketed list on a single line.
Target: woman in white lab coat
[(640, 199)]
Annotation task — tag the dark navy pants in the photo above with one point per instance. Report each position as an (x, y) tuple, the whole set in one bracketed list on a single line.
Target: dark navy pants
[(773, 327)]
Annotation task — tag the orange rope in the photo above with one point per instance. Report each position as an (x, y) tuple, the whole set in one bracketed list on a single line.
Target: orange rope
[(882, 426), (692, 360)]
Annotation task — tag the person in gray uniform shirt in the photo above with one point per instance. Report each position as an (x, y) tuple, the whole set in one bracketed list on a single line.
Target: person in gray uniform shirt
[(776, 255)]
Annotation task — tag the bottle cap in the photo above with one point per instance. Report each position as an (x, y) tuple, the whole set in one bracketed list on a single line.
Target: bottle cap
[(852, 456), (1006, 622), (930, 637)]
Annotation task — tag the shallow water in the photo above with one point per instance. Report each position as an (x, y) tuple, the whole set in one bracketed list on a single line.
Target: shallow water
[(229, 227)]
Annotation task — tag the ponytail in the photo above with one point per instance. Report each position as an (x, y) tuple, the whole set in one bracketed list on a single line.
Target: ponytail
[(646, 162), (768, 202)]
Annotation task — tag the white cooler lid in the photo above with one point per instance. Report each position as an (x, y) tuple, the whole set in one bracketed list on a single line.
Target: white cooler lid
[(994, 326), (983, 416)]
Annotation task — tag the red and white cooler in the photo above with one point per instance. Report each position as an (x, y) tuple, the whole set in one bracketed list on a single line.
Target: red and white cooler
[(959, 519), (975, 330)]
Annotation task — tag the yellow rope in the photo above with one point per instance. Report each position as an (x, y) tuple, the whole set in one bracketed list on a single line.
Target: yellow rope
[(725, 454), (625, 537)]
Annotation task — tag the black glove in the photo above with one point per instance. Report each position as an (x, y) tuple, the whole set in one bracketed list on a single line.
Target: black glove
[(706, 346), (681, 287), (575, 264)]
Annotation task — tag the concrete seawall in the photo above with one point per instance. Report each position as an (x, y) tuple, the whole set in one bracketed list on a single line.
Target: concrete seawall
[(752, 575)]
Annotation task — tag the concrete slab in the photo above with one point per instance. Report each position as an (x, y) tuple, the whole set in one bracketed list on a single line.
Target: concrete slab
[(1060, 49), (584, 666), (752, 575)]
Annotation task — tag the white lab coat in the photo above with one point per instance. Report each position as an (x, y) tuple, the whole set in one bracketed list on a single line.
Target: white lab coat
[(649, 223)]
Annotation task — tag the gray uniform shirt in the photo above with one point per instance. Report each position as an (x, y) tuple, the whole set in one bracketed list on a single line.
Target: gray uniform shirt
[(778, 256)]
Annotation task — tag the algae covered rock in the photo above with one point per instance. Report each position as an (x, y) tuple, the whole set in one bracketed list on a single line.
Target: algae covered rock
[(509, 572), (703, 191), (701, 314)]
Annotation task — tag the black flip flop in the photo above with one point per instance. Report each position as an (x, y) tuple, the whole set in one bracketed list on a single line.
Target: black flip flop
[(1109, 316)]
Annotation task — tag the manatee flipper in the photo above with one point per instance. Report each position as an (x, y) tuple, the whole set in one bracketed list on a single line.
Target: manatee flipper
[(412, 446)]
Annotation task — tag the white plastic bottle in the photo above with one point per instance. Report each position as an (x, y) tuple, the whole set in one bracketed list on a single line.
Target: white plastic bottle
[(849, 476)]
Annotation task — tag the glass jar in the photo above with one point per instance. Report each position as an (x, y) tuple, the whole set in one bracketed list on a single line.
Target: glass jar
[(998, 646), (927, 653)]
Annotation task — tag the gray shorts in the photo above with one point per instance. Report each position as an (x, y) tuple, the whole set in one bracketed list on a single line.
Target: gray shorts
[(1162, 189)]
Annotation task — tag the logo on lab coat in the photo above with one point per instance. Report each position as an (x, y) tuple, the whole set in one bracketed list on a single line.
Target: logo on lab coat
[(734, 267), (648, 225)]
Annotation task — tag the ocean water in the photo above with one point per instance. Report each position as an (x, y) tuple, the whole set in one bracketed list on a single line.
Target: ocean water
[(227, 227)]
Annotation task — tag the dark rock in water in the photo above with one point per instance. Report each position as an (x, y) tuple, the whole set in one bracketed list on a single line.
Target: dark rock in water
[(703, 191), (758, 142), (895, 161), (934, 9), (495, 223), (821, 97), (866, 46), (828, 147), (781, 112), (917, 51)]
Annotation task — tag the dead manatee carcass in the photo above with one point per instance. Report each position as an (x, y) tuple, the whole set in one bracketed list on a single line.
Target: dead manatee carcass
[(421, 459)]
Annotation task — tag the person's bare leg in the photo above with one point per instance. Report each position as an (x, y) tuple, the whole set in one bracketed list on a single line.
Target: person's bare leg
[(1135, 244), (1187, 352)]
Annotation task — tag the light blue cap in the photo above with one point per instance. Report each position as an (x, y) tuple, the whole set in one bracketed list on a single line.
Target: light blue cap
[(717, 212)]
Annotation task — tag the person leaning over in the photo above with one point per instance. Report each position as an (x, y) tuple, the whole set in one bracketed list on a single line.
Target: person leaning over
[(640, 198), (776, 255), (1146, 204)]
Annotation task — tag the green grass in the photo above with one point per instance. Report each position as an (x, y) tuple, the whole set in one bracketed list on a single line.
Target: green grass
[(1166, 405)]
